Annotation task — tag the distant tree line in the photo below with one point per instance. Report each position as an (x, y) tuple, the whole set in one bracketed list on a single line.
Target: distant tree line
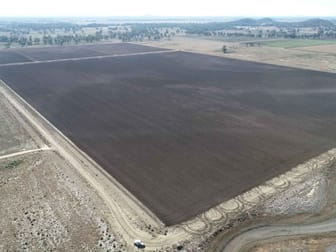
[(58, 40), (28, 34), (63, 33), (141, 32)]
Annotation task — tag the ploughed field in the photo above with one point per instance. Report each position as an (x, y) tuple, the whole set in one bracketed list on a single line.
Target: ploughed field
[(9, 56), (181, 131), (68, 52)]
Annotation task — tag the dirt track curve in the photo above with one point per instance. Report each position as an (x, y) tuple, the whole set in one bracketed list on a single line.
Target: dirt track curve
[(264, 233)]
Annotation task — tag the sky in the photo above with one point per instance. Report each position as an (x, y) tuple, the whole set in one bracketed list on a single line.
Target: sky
[(260, 8)]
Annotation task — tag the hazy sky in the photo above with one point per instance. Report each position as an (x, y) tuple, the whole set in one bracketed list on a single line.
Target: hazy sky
[(168, 8)]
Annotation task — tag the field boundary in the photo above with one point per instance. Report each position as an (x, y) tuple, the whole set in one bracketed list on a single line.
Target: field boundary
[(44, 121), (129, 216), (202, 225), (82, 163), (86, 58)]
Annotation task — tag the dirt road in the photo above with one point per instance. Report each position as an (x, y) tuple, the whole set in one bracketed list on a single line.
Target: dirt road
[(24, 152), (268, 232)]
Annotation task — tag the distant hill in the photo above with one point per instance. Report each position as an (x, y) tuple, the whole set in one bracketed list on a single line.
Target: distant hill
[(267, 21), (314, 22), (252, 22)]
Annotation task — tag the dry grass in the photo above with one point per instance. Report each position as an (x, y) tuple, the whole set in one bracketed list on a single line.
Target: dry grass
[(13, 135), (315, 58), (199, 45), (331, 49), (52, 208)]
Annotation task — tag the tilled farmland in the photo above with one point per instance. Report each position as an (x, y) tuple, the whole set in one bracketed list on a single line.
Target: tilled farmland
[(69, 52), (11, 57), (181, 131)]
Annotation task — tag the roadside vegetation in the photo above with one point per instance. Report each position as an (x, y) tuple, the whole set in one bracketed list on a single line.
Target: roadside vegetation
[(12, 164)]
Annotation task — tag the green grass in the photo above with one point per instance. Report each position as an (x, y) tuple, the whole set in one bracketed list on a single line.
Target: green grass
[(11, 164), (293, 43)]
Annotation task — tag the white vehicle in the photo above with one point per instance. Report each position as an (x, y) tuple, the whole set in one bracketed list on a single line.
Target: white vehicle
[(139, 244)]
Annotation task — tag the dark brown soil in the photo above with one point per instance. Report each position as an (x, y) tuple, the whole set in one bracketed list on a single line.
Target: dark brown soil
[(66, 52), (7, 56), (184, 132), (16, 55)]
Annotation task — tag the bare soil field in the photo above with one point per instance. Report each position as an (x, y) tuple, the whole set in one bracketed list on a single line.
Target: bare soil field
[(45, 205), (51, 53), (67, 52), (9, 56), (14, 136), (184, 132)]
